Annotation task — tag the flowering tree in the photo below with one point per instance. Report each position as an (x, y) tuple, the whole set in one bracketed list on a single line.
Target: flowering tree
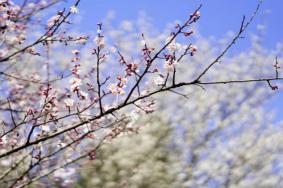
[(55, 114), (231, 141), (122, 164)]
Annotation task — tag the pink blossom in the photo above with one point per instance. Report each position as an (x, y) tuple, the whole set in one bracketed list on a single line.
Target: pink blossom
[(116, 90), (81, 40), (75, 83), (159, 80), (170, 64), (193, 49), (3, 52)]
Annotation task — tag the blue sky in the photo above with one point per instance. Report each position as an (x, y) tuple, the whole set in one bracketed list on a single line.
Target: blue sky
[(217, 18)]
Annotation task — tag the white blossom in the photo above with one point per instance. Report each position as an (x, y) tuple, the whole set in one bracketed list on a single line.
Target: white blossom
[(75, 52), (99, 41), (159, 80), (69, 102), (53, 20), (74, 9)]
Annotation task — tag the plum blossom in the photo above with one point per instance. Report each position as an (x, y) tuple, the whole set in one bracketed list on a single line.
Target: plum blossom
[(83, 95), (76, 52), (32, 50), (31, 5), (3, 141), (74, 9), (131, 68), (159, 80), (45, 128), (173, 46), (75, 83), (99, 31), (113, 88), (104, 58), (112, 49), (53, 20), (61, 144), (3, 52), (43, 3), (75, 59), (99, 41), (12, 40), (81, 40), (69, 102), (6, 162), (143, 43), (196, 15), (123, 81), (170, 64)]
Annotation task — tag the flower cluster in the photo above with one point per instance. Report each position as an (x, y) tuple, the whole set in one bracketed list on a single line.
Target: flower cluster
[(170, 62), (54, 20), (118, 89), (173, 46)]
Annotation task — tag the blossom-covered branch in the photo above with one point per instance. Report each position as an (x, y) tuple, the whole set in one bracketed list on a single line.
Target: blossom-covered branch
[(55, 110)]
